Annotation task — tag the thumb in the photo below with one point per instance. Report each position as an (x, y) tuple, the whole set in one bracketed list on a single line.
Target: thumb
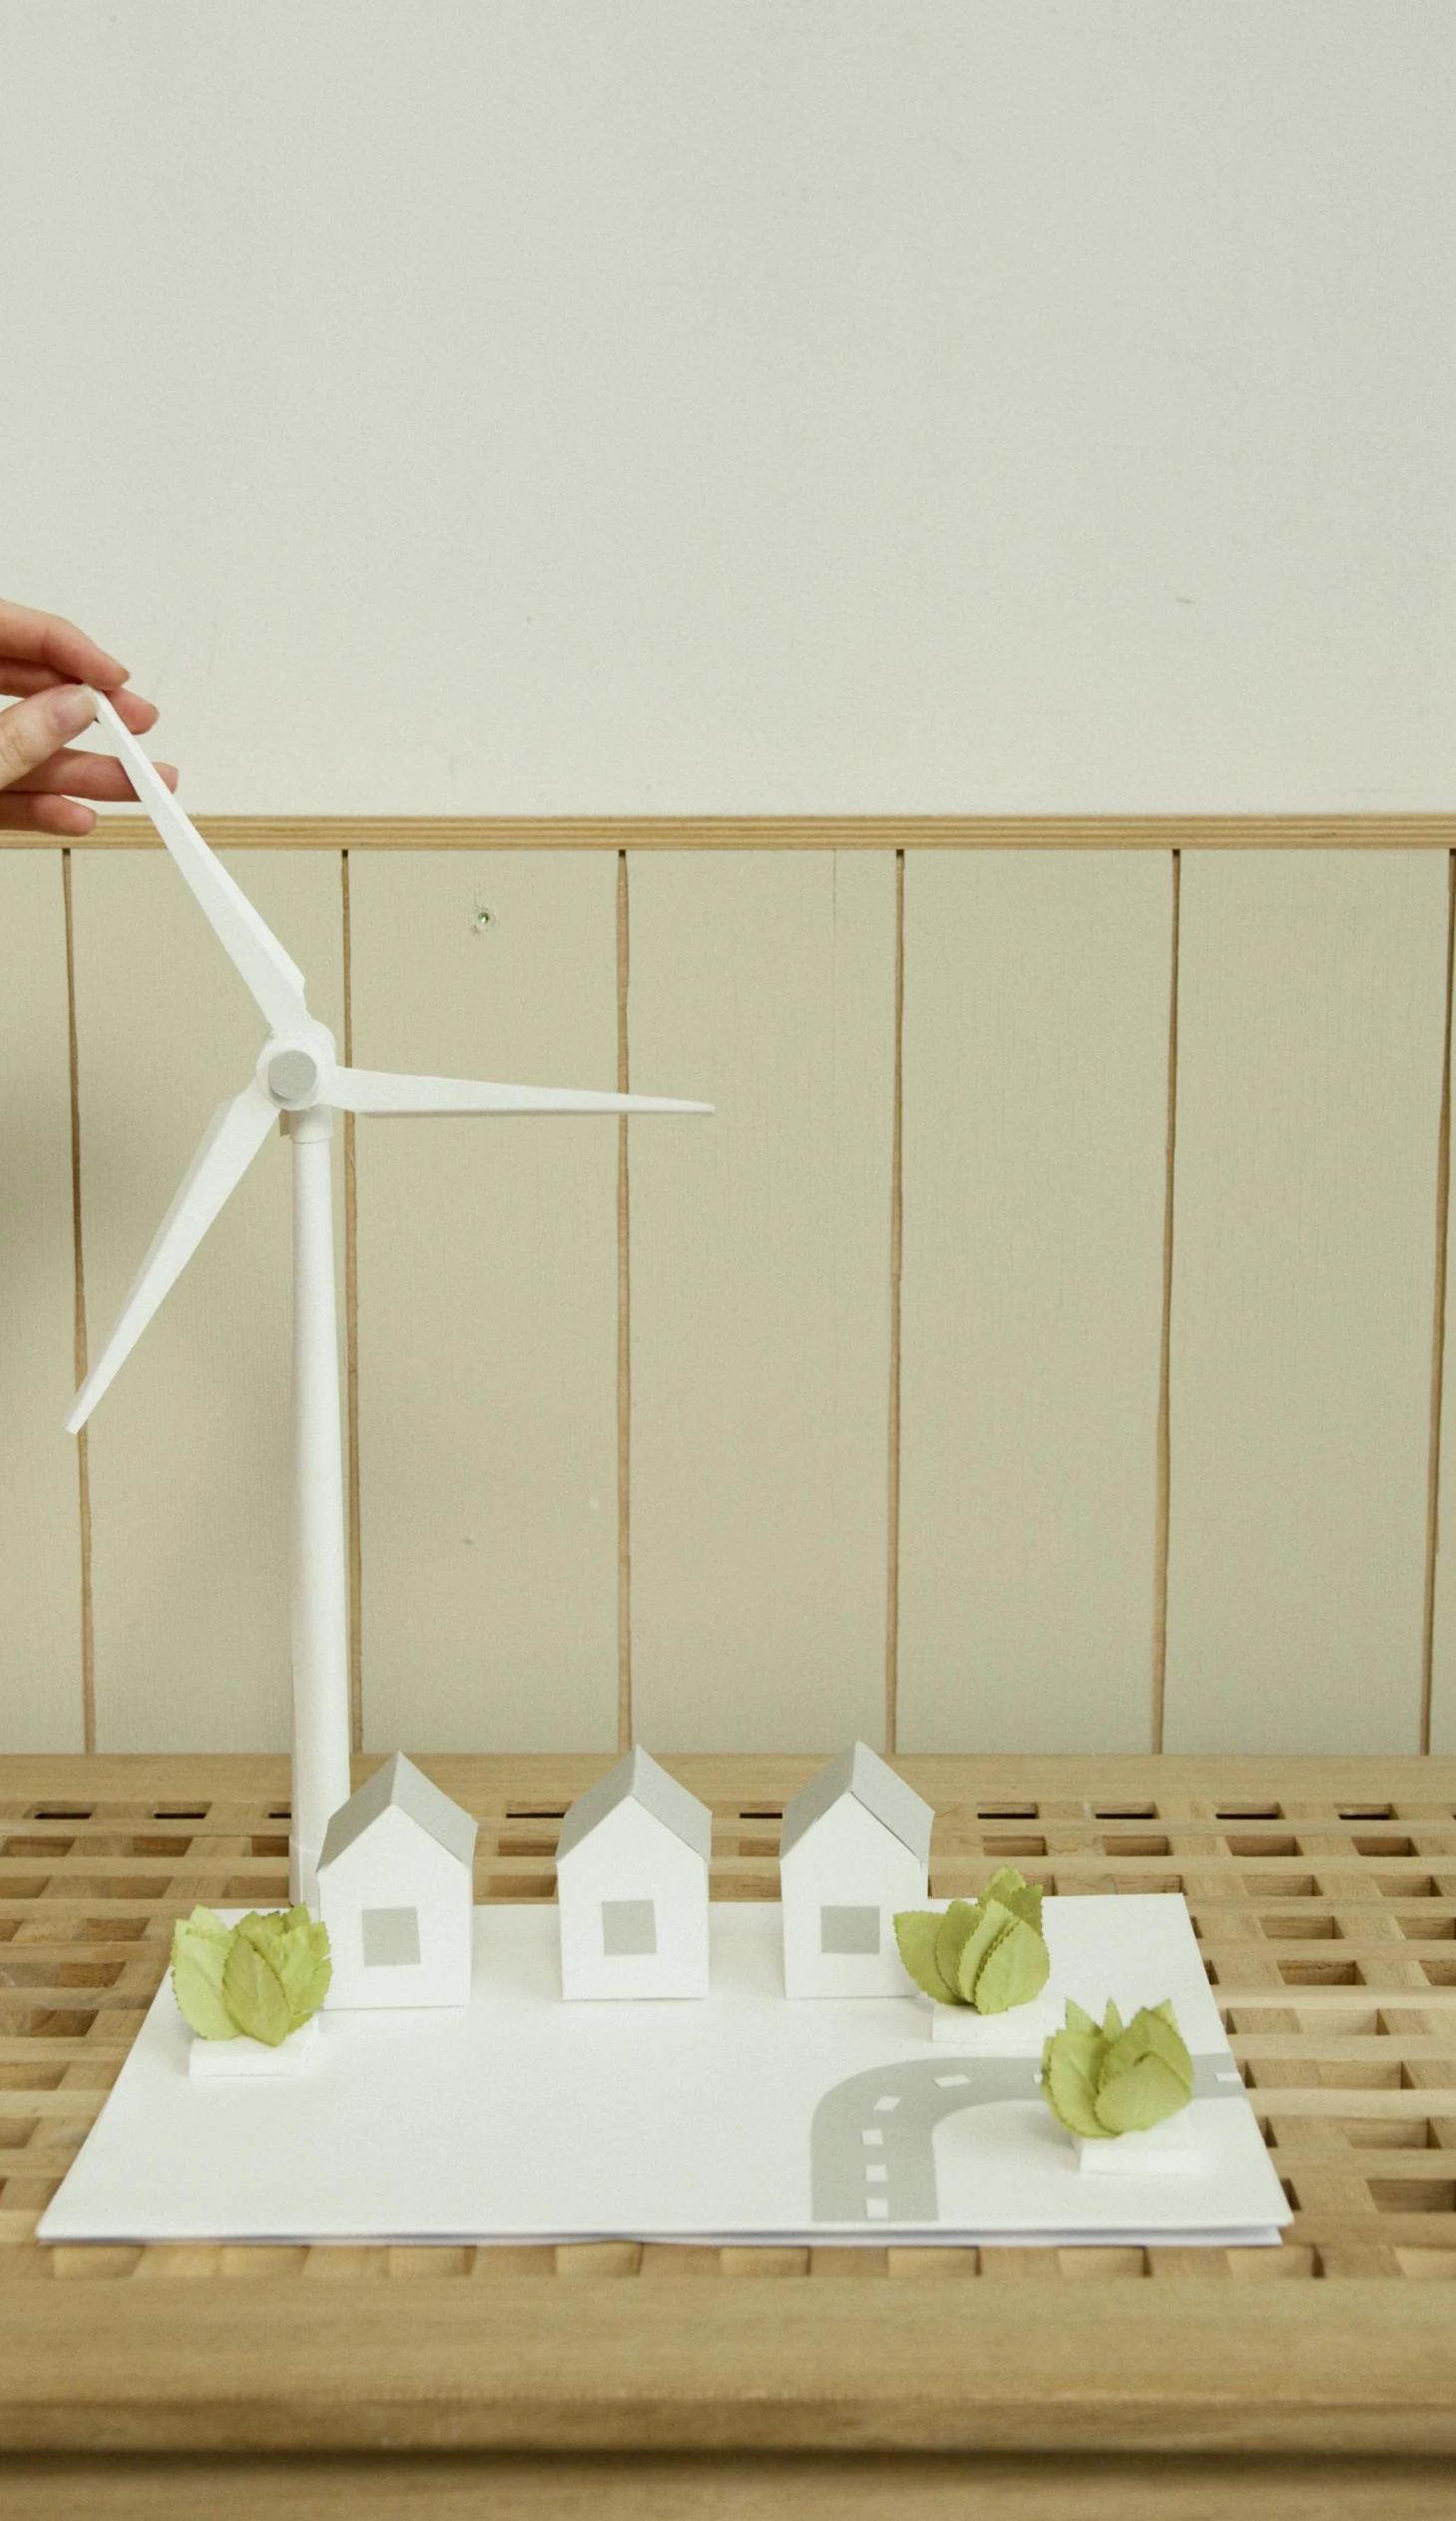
[(37, 727)]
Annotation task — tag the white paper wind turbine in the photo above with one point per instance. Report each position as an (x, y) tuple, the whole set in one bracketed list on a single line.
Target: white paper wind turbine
[(299, 1083)]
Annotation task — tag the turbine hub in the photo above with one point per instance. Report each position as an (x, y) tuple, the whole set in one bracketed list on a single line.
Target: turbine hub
[(294, 1071), (293, 1076)]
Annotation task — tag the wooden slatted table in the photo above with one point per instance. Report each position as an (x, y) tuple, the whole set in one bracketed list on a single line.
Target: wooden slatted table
[(854, 2382)]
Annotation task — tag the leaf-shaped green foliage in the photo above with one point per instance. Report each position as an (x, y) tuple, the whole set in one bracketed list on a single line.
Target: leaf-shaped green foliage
[(1023, 1898), (262, 1929), (955, 1929), (303, 1966), (915, 1933), (254, 1993), (1070, 2061), (200, 1946), (1015, 1969), (1112, 2081), (1145, 2075), (264, 1977), (1151, 2034), (1141, 2096), (946, 1952), (991, 1922)]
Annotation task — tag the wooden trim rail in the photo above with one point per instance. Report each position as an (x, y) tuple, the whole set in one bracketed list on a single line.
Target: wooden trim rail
[(776, 832)]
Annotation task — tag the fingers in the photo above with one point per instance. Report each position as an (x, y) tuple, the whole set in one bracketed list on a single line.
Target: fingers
[(21, 680), (35, 729), (45, 638), (59, 814), (83, 775)]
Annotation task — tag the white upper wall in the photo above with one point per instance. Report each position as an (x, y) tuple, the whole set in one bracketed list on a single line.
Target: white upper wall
[(529, 405)]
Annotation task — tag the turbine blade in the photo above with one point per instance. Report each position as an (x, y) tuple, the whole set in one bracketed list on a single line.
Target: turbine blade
[(249, 944), (370, 1090), (232, 1139)]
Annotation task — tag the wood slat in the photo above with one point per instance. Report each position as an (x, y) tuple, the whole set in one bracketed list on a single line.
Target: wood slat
[(189, 1451), (759, 1286), (1310, 1030), (1035, 1119), (487, 1309), (41, 1682)]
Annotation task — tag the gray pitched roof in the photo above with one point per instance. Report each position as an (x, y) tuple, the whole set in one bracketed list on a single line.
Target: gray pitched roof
[(861, 1772), (404, 1785), (639, 1778)]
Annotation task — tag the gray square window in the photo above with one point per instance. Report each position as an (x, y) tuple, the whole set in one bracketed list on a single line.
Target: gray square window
[(391, 1937), (629, 1927), (848, 1929)]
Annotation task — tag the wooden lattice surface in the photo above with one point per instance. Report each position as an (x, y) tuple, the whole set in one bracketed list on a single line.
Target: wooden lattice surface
[(1323, 1894)]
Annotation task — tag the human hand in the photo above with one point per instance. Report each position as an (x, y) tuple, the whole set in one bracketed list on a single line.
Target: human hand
[(45, 663)]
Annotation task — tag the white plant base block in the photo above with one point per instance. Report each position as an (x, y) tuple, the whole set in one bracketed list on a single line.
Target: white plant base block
[(1018, 2032), (1169, 2152), (224, 2060)]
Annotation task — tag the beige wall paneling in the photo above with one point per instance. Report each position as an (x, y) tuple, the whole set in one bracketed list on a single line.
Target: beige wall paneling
[(488, 1307), (760, 1298), (190, 1463), (1036, 1001), (40, 1542), (1311, 1014)]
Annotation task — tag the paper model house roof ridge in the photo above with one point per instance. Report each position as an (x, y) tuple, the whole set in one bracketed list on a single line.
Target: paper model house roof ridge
[(637, 1778), (398, 1783), (861, 1772)]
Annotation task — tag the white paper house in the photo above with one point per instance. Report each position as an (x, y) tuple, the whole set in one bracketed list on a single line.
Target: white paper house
[(631, 1882), (395, 1890), (855, 1846)]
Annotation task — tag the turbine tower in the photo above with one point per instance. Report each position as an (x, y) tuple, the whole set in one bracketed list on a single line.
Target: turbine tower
[(297, 1082)]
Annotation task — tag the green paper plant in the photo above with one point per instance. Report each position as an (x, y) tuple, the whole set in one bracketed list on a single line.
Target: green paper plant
[(1115, 2080), (988, 1953), (260, 1979)]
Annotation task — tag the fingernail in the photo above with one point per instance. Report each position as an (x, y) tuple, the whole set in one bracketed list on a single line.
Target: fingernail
[(70, 708)]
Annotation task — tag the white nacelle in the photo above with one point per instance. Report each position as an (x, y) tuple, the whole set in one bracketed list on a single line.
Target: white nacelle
[(296, 1069)]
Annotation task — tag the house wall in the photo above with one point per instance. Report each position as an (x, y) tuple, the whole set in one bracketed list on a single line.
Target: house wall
[(994, 409), (395, 1865), (631, 1856), (846, 1859)]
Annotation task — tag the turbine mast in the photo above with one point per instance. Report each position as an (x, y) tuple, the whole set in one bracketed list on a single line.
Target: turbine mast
[(321, 1632)]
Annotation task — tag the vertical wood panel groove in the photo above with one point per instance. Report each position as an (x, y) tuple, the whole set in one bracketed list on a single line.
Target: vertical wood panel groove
[(1035, 1162), (623, 1322), (488, 1308), (897, 1216), (1438, 1330), (189, 1455), (1312, 1016), (1165, 1358), (83, 1463), (351, 1336), (760, 1282)]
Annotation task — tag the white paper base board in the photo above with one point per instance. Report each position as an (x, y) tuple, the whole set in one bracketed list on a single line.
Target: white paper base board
[(742, 2119)]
